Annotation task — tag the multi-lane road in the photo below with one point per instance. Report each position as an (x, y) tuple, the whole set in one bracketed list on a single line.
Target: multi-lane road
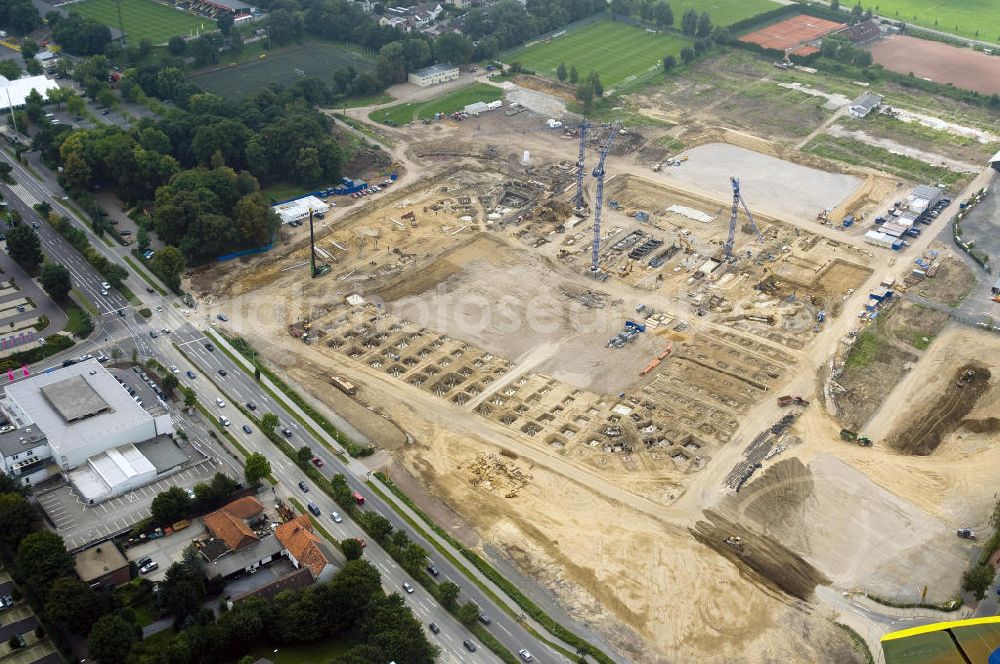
[(185, 347)]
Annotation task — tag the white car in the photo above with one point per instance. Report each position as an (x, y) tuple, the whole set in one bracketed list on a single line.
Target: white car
[(164, 330), (174, 369), (525, 655), (224, 420), (220, 403), (105, 285), (336, 517), (104, 291), (407, 587)]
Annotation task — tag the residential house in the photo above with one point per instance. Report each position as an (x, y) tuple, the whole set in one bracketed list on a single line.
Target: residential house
[(306, 549), (241, 539)]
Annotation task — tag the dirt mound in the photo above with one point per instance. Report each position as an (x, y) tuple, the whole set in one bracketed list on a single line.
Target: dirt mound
[(944, 414), (760, 557)]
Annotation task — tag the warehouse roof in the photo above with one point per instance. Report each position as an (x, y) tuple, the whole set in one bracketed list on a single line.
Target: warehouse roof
[(13, 93), (95, 562)]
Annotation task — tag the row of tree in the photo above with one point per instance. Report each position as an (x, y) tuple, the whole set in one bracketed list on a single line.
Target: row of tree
[(19, 16)]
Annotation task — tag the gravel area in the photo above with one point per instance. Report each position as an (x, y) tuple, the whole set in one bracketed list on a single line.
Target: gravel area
[(767, 183)]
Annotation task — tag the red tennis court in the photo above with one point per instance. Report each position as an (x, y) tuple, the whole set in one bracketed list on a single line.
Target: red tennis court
[(793, 33)]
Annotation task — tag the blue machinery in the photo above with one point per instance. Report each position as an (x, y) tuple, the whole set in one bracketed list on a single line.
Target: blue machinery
[(737, 202), (595, 267)]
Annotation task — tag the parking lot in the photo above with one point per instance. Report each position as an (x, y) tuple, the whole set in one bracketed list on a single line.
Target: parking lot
[(81, 525), (167, 550)]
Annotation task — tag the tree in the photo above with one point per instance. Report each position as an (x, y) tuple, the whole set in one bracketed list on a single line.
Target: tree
[(10, 70), (225, 23), (112, 638), (978, 580), (379, 526), (391, 63), (689, 22), (857, 13), (256, 468), (56, 282), (448, 594), (29, 49), (454, 48), (33, 67), (595, 81), (183, 591), (585, 95), (468, 613), (16, 518), (341, 491), (41, 559), (268, 423), (304, 454), (76, 105), (169, 382), (169, 263), (23, 246), (71, 601), (561, 72), (663, 15), (835, 5), (573, 76), (700, 46), (704, 28), (351, 548), (176, 45), (170, 506), (669, 62), (190, 398), (687, 55)]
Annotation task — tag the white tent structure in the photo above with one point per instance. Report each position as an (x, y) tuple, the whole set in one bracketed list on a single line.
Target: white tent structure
[(13, 93)]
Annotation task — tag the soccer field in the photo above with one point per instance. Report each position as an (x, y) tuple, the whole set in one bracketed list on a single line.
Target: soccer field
[(144, 19), (973, 17), (615, 51)]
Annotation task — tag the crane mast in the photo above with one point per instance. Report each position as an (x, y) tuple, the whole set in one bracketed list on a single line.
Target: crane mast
[(595, 268)]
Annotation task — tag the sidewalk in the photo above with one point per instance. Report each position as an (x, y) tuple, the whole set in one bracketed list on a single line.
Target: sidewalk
[(361, 471)]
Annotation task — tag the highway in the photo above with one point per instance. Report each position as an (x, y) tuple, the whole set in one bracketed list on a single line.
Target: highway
[(132, 330)]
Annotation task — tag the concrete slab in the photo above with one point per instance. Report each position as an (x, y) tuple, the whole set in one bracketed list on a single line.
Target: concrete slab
[(167, 550)]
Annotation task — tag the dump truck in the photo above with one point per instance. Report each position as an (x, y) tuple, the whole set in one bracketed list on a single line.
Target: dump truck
[(966, 533), (864, 441), (848, 435), (788, 400)]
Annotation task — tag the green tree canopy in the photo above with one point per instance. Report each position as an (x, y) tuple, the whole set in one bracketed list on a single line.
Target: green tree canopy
[(256, 468), (24, 247), (56, 282)]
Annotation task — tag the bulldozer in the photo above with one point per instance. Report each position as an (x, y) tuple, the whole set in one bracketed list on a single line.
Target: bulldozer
[(734, 542)]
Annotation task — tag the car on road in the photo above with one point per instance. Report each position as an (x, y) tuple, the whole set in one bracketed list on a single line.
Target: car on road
[(222, 372), (220, 403), (105, 112), (251, 405), (104, 291), (313, 508), (407, 587), (190, 374), (105, 285), (148, 567), (247, 429), (164, 330), (433, 571), (469, 645), (317, 462), (174, 369), (336, 517), (222, 317), (434, 628), (209, 347), (525, 655), (485, 618), (286, 432), (152, 334), (224, 421), (35, 224), (303, 486)]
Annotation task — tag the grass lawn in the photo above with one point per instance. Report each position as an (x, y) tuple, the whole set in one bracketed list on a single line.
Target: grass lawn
[(79, 321), (863, 154), (144, 19), (246, 75), (401, 114), (284, 191), (306, 653), (969, 18), (616, 51), (722, 12)]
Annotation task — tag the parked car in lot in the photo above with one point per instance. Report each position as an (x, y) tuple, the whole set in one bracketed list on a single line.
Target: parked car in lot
[(174, 369), (142, 562), (286, 432), (251, 405), (148, 567), (222, 372), (209, 347), (224, 421)]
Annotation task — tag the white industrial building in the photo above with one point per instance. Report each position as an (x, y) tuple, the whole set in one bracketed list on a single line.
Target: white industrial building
[(13, 93), (865, 104), (433, 75), (90, 427), (297, 209)]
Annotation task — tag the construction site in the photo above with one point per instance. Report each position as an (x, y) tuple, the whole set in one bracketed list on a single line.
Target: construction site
[(585, 348)]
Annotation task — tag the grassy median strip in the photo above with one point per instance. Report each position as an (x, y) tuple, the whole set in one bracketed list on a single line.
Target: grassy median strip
[(142, 273)]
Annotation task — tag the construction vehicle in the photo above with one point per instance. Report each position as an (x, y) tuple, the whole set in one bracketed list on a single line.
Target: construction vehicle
[(738, 202), (788, 400), (595, 266), (966, 378), (657, 167), (688, 249), (966, 533), (579, 202), (864, 441), (848, 435), (734, 542)]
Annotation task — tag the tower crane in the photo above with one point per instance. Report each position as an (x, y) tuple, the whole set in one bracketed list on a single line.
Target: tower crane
[(584, 126), (737, 202), (595, 268)]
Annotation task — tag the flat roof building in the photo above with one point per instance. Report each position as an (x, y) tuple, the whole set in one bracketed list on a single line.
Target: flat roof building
[(433, 75), (294, 210), (102, 566), (14, 93), (865, 104)]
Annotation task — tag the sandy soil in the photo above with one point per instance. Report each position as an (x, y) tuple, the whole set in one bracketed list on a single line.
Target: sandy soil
[(939, 62)]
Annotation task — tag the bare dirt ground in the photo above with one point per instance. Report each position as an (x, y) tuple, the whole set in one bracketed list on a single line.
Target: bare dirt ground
[(480, 350), (939, 62)]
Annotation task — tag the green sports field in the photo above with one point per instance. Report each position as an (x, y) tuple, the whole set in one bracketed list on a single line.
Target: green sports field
[(724, 12), (144, 19), (616, 51), (401, 114), (971, 16)]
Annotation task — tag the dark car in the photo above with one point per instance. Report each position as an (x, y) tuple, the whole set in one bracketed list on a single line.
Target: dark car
[(304, 487), (142, 562), (247, 429), (314, 509), (485, 619), (222, 372), (209, 347), (251, 405), (286, 432), (190, 374), (434, 628), (433, 571), (469, 645)]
